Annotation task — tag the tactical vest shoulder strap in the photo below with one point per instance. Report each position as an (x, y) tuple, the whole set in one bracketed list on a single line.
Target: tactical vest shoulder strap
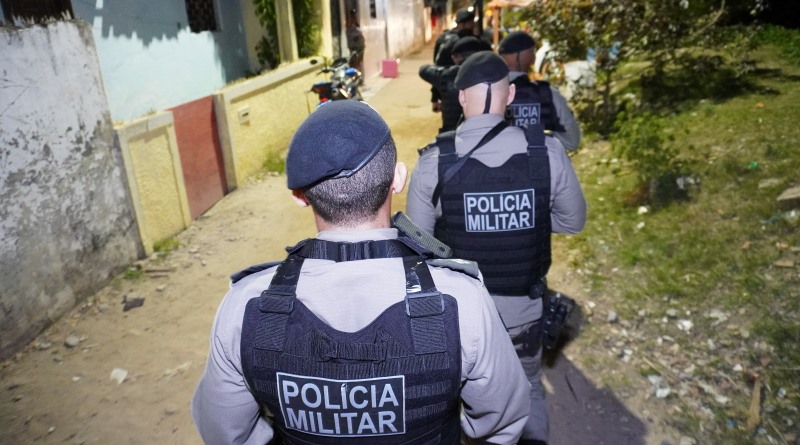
[(538, 159), (424, 305), (452, 163), (252, 269), (464, 266), (364, 250)]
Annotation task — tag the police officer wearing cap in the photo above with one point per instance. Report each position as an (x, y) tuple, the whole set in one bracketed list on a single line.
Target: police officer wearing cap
[(494, 194), (443, 47), (536, 101), (360, 335), (443, 78)]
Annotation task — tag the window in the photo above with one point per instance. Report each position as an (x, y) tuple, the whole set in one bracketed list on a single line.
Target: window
[(373, 12), (201, 15), (36, 10)]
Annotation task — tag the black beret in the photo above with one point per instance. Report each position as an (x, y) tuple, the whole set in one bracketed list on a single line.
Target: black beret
[(335, 141), (469, 44), (481, 67), (464, 15), (515, 42)]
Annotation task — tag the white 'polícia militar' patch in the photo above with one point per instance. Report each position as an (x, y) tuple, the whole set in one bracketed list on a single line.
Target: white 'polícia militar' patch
[(343, 408), (499, 211), (524, 114)]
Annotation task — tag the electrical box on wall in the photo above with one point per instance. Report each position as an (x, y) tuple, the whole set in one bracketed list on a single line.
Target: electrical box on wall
[(244, 115)]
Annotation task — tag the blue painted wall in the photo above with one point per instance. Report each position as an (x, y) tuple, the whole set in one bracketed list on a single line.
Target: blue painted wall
[(151, 60)]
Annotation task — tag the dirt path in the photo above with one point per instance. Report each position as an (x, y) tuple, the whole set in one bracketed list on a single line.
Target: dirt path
[(57, 394)]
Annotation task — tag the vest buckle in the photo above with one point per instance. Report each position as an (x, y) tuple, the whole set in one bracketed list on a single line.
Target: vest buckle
[(424, 304), (278, 302)]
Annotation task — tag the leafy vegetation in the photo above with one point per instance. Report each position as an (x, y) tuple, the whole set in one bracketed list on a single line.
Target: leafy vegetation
[(307, 25), (727, 141)]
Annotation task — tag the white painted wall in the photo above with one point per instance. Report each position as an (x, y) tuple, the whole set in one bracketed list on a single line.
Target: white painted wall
[(66, 225)]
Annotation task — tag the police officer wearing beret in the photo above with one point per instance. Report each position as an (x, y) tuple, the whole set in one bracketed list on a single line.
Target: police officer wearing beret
[(536, 102), (443, 78), (360, 335), (494, 194), (443, 47)]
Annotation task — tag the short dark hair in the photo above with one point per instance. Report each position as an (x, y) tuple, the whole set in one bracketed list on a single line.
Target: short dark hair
[(357, 198)]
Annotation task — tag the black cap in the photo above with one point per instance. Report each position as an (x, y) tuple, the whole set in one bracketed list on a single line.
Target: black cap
[(469, 44), (464, 15), (336, 141), (481, 67), (515, 42)]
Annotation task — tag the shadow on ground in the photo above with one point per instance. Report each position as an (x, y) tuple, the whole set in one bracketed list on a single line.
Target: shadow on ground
[(581, 413)]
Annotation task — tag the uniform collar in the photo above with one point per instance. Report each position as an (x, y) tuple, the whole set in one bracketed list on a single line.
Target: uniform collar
[(480, 121), (514, 74), (354, 236)]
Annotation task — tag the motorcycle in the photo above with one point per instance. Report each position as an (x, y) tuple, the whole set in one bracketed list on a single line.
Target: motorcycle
[(343, 83)]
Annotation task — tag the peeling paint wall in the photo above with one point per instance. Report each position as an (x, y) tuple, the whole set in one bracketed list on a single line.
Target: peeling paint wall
[(66, 222)]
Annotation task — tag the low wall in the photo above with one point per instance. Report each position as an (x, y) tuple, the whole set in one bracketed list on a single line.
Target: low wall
[(155, 177), (66, 224), (258, 117)]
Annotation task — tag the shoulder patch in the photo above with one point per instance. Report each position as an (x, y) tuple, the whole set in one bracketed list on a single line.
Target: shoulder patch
[(253, 269), (464, 266)]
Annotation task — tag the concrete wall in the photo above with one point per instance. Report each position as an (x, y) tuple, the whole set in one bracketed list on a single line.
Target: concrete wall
[(66, 225), (406, 29), (258, 116), (155, 177), (151, 60)]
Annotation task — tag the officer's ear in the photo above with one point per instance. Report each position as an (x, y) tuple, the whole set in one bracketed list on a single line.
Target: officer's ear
[(512, 90), (400, 175), (300, 198), (462, 98)]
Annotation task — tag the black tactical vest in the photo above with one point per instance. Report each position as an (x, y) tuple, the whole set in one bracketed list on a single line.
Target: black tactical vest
[(395, 381), (499, 217), (533, 104)]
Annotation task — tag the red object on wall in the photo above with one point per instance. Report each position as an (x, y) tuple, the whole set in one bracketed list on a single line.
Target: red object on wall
[(201, 156)]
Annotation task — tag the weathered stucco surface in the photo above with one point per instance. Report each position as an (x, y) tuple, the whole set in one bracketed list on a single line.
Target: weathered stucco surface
[(66, 225)]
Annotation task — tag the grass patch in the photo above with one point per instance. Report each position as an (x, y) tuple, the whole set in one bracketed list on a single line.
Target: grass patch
[(274, 162), (166, 246), (716, 249), (133, 274)]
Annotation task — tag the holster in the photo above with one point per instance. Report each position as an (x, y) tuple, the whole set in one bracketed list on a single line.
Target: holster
[(556, 310)]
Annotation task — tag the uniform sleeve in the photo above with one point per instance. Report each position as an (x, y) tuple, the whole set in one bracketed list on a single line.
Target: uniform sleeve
[(424, 178), (223, 409), (568, 205), (431, 74), (495, 394), (571, 136)]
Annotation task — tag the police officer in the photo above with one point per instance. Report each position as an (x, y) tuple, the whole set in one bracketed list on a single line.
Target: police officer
[(360, 335), (494, 194), (536, 102), (442, 78), (443, 47)]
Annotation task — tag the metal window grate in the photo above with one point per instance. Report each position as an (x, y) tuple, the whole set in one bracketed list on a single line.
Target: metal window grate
[(201, 15), (37, 11)]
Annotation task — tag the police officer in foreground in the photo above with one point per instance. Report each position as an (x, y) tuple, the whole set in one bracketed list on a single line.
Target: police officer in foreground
[(536, 101), (443, 78), (494, 194), (359, 335)]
